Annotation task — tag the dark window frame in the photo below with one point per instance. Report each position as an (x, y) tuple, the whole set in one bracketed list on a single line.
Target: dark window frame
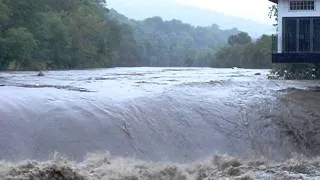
[(299, 36), (304, 5)]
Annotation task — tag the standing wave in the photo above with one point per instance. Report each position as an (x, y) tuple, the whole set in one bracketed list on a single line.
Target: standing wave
[(105, 167)]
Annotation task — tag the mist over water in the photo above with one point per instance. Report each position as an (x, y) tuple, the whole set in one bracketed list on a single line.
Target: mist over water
[(157, 114)]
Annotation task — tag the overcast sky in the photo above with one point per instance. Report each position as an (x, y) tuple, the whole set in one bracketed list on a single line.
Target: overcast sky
[(256, 10)]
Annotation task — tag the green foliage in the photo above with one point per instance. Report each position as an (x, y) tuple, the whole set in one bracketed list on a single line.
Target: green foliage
[(170, 43), (71, 34), (4, 16), (3, 62), (245, 55), (173, 43), (4, 12), (241, 38), (55, 40), (19, 46), (58, 34), (228, 57), (126, 53)]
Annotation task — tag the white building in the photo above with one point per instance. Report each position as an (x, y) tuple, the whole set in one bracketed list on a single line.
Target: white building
[(298, 31)]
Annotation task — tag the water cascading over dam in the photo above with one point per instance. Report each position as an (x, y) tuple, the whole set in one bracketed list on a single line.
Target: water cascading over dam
[(158, 114)]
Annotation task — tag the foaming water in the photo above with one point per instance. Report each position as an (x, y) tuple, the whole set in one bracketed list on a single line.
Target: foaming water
[(103, 166), (158, 114)]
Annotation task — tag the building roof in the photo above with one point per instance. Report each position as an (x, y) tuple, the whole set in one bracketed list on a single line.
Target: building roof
[(275, 1)]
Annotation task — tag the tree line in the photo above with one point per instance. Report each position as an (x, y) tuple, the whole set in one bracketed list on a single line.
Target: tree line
[(243, 52), (56, 34), (172, 43), (76, 34)]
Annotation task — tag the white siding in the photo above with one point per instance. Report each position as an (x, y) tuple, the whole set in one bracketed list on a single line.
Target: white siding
[(284, 11)]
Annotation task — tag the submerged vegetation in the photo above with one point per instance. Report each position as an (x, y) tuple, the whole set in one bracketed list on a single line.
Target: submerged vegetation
[(295, 71)]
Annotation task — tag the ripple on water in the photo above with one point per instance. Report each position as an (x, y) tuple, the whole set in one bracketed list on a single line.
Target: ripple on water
[(178, 123), (208, 83), (299, 119), (305, 89), (69, 88)]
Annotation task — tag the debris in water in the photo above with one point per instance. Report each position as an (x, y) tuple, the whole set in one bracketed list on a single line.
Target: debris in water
[(155, 83), (125, 129), (45, 172), (314, 89), (70, 88), (291, 89), (40, 73), (308, 89)]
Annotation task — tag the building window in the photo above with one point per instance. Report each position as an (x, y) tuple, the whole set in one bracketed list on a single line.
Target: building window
[(302, 5), (301, 34)]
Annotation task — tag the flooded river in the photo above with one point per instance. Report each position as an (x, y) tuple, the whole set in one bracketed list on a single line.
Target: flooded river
[(158, 114)]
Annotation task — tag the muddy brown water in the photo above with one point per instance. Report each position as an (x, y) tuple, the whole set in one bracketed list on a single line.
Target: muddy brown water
[(159, 114)]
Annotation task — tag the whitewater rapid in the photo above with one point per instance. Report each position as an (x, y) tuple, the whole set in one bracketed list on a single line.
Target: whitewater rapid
[(158, 114)]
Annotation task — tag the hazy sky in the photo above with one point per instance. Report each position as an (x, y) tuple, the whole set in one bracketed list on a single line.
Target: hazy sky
[(256, 10)]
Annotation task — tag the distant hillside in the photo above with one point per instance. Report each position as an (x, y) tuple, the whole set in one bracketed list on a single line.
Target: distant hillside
[(86, 34), (192, 15), (174, 43)]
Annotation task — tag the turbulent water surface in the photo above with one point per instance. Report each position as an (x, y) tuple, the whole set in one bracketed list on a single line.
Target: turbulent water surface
[(159, 114)]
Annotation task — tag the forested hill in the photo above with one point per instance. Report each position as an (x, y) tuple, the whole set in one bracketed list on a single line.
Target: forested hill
[(73, 34), (174, 43), (55, 34)]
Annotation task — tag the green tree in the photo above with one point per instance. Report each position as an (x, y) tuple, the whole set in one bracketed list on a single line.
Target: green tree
[(61, 34), (4, 12), (4, 16), (54, 40), (126, 53), (241, 38), (250, 55), (19, 45), (3, 61), (65, 34), (228, 57)]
